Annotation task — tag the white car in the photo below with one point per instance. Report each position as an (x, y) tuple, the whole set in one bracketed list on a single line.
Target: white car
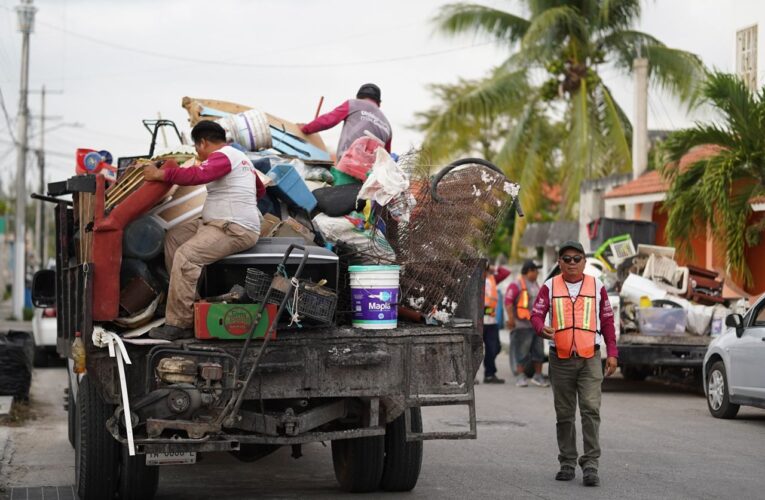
[(44, 332), (734, 366)]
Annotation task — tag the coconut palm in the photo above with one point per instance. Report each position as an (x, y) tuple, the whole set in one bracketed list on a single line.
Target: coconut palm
[(557, 55), (718, 191)]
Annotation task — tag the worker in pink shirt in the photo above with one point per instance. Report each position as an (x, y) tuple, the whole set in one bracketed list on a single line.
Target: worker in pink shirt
[(230, 221), (360, 115)]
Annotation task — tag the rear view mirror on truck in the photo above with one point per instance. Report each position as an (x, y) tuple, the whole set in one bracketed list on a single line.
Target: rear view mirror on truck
[(44, 288)]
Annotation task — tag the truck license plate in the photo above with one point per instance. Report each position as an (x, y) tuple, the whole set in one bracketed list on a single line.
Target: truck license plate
[(177, 458)]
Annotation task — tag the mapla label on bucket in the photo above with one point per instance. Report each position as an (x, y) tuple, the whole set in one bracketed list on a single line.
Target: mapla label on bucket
[(375, 304)]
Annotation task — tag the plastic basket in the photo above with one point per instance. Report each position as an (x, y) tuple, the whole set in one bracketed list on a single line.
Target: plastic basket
[(314, 301)]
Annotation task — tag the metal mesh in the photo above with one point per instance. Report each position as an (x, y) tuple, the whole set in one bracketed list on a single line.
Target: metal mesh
[(447, 234), (314, 301)]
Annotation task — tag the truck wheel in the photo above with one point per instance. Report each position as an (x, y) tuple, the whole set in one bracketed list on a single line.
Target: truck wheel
[(358, 463), (138, 481), (40, 358), (95, 450), (71, 414), (403, 458), (634, 373), (718, 399)]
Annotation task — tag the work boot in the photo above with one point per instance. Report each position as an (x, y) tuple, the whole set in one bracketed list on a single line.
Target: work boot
[(170, 332), (539, 380), (521, 380), (590, 477), (566, 473), (493, 379)]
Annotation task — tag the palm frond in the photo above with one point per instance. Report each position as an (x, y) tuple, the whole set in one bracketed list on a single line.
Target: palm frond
[(463, 18), (618, 14), (676, 71), (550, 29)]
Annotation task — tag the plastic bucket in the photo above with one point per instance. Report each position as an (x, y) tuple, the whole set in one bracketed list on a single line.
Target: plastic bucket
[(250, 129), (374, 296), (291, 187)]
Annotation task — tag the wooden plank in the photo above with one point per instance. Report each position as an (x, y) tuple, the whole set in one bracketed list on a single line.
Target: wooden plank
[(194, 105)]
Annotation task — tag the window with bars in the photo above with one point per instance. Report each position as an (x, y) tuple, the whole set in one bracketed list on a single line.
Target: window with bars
[(746, 55)]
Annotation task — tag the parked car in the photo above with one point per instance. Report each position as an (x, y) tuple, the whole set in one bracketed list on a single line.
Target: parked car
[(734, 366), (44, 332)]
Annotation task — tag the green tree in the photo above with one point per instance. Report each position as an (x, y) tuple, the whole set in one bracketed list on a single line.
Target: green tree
[(718, 191), (557, 54)]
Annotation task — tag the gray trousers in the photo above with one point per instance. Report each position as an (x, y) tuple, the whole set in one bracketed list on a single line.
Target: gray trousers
[(572, 379)]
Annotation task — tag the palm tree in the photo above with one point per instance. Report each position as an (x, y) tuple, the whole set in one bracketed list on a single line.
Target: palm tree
[(718, 191), (565, 44)]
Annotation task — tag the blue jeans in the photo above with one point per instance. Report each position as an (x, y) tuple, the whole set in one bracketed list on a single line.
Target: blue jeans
[(491, 349)]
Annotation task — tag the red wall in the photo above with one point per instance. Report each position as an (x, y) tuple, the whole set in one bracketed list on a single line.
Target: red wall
[(755, 257)]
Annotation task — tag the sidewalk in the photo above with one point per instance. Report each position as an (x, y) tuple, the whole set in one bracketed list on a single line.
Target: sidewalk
[(6, 325)]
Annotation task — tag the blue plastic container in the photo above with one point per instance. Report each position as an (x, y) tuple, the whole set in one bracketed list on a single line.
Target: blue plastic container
[(291, 187)]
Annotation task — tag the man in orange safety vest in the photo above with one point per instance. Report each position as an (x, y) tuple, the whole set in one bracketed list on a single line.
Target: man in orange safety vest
[(580, 321)]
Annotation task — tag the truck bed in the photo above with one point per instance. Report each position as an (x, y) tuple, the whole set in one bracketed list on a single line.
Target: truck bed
[(690, 340)]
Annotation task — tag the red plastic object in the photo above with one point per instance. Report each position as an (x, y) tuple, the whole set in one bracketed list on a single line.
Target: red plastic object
[(107, 241), (359, 158)]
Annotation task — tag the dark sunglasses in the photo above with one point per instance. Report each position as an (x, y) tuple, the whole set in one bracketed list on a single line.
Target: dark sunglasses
[(576, 259)]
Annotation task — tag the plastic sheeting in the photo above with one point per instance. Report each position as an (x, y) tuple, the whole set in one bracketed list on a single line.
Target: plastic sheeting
[(16, 355)]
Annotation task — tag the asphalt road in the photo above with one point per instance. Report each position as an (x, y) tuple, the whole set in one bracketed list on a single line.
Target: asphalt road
[(658, 441)]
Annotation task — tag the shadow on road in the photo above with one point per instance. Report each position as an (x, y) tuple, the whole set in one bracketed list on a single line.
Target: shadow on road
[(652, 385)]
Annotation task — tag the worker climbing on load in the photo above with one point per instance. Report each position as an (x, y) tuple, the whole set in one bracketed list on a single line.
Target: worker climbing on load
[(230, 221), (361, 115)]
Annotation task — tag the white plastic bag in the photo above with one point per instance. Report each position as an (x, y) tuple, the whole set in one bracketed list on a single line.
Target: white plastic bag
[(386, 180)]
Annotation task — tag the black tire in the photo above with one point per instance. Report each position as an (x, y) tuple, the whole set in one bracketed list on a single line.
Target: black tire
[(95, 449), (403, 459), (726, 409), (634, 373), (358, 463), (138, 481), (71, 413)]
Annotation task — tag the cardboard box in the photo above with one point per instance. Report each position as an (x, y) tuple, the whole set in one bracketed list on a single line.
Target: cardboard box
[(268, 225), (291, 228), (230, 321)]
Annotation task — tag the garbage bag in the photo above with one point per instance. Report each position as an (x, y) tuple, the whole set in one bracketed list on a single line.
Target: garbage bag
[(386, 181), (319, 174), (359, 157), (16, 355), (337, 200), (370, 242)]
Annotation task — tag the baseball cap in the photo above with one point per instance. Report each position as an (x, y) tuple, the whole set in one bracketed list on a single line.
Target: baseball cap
[(574, 245), (371, 91), (528, 266)]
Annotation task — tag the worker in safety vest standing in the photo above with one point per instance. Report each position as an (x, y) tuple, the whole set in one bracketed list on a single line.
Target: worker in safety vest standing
[(528, 347), (579, 322), (491, 325)]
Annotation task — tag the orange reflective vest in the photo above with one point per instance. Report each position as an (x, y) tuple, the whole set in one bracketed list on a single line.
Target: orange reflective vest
[(522, 310), (574, 320), (490, 296)]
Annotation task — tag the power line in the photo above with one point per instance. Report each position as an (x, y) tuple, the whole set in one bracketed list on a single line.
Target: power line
[(7, 117), (192, 60)]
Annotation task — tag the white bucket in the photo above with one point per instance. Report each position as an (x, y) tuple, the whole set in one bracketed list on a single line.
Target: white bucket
[(250, 129), (374, 296)]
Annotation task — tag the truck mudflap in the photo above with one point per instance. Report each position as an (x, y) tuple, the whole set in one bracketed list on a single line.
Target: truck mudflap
[(314, 389)]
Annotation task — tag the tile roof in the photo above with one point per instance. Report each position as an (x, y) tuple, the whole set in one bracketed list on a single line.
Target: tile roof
[(652, 182)]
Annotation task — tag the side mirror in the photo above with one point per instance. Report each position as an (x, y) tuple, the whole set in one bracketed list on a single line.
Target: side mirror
[(44, 288), (735, 321)]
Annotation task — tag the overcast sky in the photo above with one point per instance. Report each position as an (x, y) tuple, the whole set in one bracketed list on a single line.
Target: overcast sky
[(120, 61)]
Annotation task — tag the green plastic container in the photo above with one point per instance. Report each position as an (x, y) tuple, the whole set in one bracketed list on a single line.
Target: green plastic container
[(341, 178)]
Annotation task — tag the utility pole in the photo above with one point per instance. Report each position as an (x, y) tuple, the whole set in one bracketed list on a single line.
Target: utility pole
[(26, 17), (40, 229), (640, 130)]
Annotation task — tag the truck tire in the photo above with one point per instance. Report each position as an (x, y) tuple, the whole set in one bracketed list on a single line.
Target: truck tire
[(403, 459), (358, 463), (71, 414), (138, 481), (95, 449), (718, 396), (635, 373)]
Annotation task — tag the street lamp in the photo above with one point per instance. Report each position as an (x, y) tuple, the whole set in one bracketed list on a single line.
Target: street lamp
[(26, 15)]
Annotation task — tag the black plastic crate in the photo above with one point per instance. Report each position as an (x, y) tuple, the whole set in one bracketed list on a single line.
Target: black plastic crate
[(314, 301)]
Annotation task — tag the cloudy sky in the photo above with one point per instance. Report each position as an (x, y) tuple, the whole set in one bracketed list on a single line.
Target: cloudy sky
[(117, 62)]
